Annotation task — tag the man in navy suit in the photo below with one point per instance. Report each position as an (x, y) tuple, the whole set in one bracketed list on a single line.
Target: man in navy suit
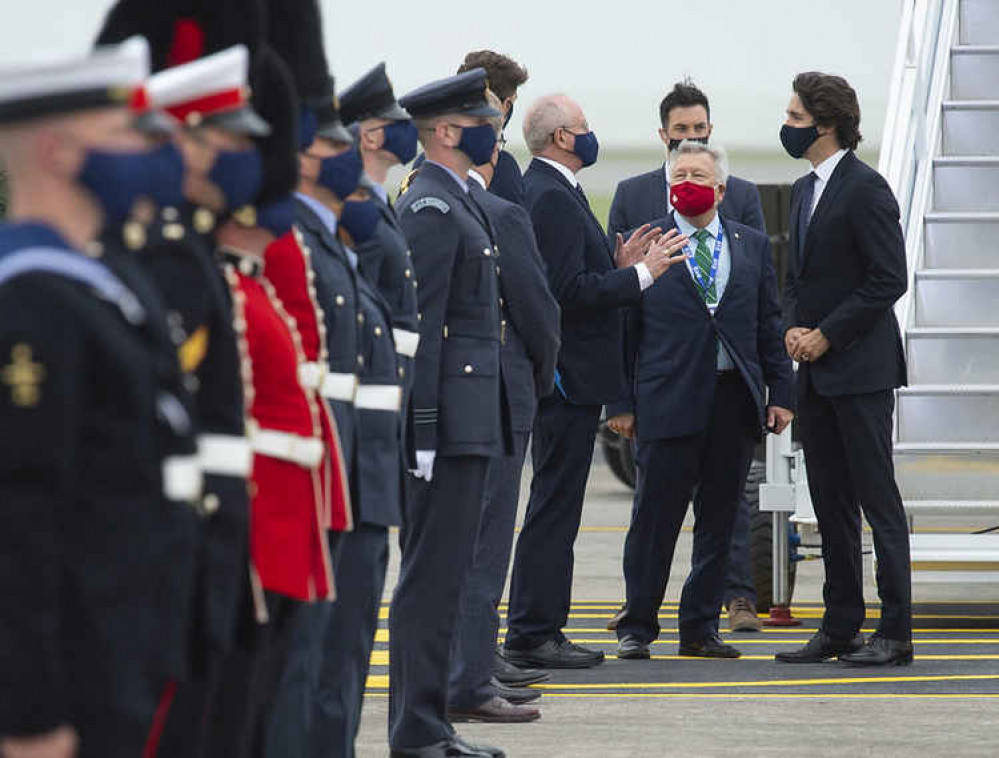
[(847, 274), (686, 114), (708, 373), (591, 283)]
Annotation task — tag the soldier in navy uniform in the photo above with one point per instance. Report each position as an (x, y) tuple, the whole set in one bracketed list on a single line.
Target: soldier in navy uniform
[(530, 339), (461, 415), (97, 558)]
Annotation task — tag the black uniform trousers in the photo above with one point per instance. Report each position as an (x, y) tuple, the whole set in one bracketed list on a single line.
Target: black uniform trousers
[(249, 678), (541, 585), (848, 451), (478, 618), (347, 641), (717, 461), (438, 540)]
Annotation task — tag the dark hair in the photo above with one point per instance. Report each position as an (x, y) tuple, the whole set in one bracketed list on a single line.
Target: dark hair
[(832, 102), (505, 75), (683, 95)]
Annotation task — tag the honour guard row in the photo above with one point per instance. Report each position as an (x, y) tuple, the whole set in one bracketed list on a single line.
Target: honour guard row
[(231, 362)]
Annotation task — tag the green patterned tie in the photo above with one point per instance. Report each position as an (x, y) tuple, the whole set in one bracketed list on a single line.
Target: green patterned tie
[(703, 258)]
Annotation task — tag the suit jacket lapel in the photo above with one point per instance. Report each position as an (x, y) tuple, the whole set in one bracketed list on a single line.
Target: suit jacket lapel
[(688, 284), (829, 193), (587, 211), (662, 202), (736, 259)]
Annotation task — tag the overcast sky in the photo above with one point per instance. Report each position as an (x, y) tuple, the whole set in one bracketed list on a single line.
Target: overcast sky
[(617, 58)]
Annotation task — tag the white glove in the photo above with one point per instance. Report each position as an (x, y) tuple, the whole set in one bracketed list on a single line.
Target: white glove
[(424, 464)]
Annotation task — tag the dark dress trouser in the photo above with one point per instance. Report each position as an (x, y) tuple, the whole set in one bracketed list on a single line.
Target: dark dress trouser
[(848, 451), (541, 585), (348, 640), (669, 469), (438, 541), (478, 618)]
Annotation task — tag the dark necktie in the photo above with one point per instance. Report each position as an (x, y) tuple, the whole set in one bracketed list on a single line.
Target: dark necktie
[(805, 213), (582, 195)]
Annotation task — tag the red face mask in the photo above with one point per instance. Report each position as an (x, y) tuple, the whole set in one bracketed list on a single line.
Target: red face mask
[(691, 199)]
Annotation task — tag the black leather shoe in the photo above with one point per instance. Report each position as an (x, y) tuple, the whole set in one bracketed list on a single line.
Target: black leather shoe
[(495, 710), (489, 750), (452, 748), (516, 695), (711, 646), (511, 676), (820, 648), (632, 648), (555, 654), (880, 651)]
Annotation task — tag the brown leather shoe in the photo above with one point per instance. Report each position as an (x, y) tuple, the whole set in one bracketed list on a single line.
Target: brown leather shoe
[(616, 618), (742, 616), (496, 710)]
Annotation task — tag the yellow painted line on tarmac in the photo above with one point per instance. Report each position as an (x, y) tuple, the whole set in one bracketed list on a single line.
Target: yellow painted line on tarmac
[(769, 695), (802, 641), (919, 656), (770, 683), (379, 657)]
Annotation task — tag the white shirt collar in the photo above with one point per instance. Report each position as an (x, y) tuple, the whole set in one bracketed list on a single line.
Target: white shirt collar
[(685, 227), (463, 183), (564, 170), (825, 169), (477, 177)]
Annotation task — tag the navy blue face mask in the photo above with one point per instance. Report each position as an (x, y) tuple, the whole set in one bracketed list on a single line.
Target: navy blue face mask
[(797, 139), (477, 142), (166, 179), (586, 148), (277, 217), (359, 218), (239, 174), (400, 140), (341, 173), (117, 180)]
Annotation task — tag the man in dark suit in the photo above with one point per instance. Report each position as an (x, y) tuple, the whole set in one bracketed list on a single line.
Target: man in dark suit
[(684, 114), (461, 418), (700, 397), (848, 271), (530, 340), (506, 76), (591, 283)]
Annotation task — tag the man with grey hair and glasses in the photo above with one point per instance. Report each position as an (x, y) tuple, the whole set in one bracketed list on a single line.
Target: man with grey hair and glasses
[(591, 283), (699, 399)]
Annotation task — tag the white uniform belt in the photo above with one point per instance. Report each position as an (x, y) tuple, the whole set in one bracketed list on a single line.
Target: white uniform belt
[(339, 386), (379, 397), (225, 454), (406, 342), (182, 479), (310, 375), (286, 446)]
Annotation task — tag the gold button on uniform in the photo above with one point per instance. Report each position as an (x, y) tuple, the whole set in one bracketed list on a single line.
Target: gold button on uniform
[(340, 300), (210, 503), (360, 318), (468, 368), (378, 331), (487, 252)]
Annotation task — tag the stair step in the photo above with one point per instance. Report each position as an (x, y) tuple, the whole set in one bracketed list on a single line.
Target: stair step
[(971, 127), (961, 240), (949, 413), (950, 506), (979, 22), (967, 183), (949, 355), (956, 297), (974, 72)]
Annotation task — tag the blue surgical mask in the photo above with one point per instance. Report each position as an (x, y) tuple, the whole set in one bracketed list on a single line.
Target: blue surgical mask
[(117, 180), (239, 174), (341, 173), (586, 148), (478, 143), (400, 140), (166, 179), (277, 217), (359, 218)]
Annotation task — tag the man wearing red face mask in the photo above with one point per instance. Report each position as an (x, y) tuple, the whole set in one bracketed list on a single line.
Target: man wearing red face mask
[(708, 374)]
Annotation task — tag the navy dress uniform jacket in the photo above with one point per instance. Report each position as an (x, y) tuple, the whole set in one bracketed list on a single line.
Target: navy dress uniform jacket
[(850, 273), (673, 341), (96, 564), (531, 316), (458, 361), (586, 284), (640, 199)]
